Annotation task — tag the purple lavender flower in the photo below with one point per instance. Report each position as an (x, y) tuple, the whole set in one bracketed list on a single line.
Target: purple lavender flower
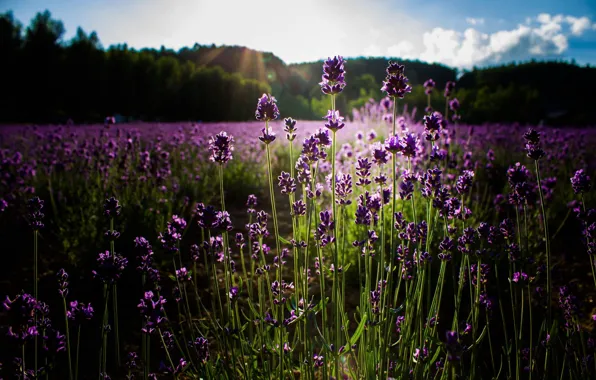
[(183, 275), (268, 136), (324, 228), (251, 202), (287, 183), (454, 105), (221, 147), (518, 177), (112, 207), (178, 223), (568, 304), (323, 137), (532, 136), (131, 361), (334, 121), (62, 283), (35, 205), (396, 83), (23, 309), (318, 361), (433, 125), (380, 155), (363, 166), (453, 346), (299, 208), (110, 267), (533, 149), (420, 355), (392, 144), (53, 341), (310, 153), (464, 181), (581, 182), (152, 310), (399, 322), (449, 87), (429, 85), (206, 216), (363, 215), (290, 128), (267, 108), (406, 188), (78, 312), (333, 80), (170, 239), (519, 278), (386, 103), (395, 68), (408, 145), (109, 120), (343, 189), (201, 346), (234, 292), (223, 221)]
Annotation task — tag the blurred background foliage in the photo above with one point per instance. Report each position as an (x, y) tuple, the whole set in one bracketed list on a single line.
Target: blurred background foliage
[(47, 79)]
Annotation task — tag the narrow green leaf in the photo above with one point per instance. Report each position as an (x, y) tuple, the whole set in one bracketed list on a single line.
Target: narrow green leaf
[(284, 241), (359, 330)]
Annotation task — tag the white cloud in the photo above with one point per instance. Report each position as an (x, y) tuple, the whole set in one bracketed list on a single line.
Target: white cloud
[(475, 21), (579, 24), (544, 36), (372, 51), (403, 49)]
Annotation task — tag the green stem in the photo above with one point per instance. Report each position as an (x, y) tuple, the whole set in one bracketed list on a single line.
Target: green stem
[(67, 340), (167, 351), (35, 287), (279, 259)]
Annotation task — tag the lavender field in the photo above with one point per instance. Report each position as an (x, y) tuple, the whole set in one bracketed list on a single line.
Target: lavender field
[(389, 243)]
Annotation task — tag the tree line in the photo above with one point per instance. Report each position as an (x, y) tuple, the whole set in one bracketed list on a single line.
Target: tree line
[(46, 78)]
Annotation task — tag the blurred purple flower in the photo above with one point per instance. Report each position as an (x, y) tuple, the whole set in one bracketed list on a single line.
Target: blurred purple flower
[(429, 85), (581, 182)]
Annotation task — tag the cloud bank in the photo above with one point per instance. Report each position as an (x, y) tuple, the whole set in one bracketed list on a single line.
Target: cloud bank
[(545, 36)]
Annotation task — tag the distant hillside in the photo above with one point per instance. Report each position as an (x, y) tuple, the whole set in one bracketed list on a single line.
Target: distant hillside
[(48, 79), (553, 92), (302, 79)]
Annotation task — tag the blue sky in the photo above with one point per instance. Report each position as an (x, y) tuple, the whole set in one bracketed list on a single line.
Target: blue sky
[(460, 33)]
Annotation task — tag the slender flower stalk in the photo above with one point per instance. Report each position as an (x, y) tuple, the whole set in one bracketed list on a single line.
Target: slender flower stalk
[(35, 207), (267, 110), (63, 290)]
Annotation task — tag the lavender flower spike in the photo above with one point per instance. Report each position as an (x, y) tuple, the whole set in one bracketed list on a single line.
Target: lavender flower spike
[(333, 80), (267, 108), (334, 121), (221, 147), (396, 83), (290, 128), (580, 182), (268, 135)]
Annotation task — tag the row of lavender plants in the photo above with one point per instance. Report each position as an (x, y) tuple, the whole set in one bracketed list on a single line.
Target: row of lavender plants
[(408, 252)]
